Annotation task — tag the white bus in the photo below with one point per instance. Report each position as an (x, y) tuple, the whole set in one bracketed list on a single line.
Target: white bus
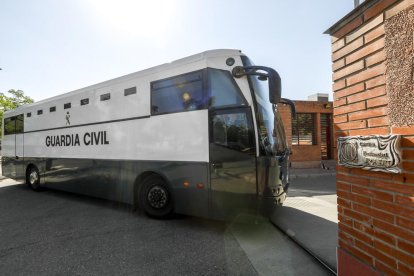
[(198, 136)]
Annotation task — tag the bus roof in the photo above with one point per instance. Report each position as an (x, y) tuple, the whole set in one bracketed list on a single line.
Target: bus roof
[(151, 70)]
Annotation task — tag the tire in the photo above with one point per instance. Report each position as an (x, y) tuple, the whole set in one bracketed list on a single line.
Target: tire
[(33, 178), (155, 198)]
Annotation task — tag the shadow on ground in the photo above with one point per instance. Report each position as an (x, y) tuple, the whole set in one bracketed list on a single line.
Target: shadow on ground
[(309, 216)]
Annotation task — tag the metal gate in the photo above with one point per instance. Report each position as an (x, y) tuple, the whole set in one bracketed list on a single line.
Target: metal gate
[(326, 136)]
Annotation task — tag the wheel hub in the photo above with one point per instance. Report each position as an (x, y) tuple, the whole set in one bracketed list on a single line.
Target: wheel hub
[(157, 197), (33, 177)]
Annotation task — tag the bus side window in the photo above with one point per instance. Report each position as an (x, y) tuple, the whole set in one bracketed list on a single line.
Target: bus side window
[(223, 89), (9, 126), (130, 91), (219, 131), (19, 124), (14, 125), (178, 94), (232, 131)]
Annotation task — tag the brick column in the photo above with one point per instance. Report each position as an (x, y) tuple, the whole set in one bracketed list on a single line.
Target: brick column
[(372, 55), (286, 116)]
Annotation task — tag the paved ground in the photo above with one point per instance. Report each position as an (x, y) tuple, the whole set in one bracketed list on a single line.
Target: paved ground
[(58, 233), (51, 232), (309, 214)]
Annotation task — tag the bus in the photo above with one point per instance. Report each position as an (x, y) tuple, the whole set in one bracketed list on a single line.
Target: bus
[(199, 136)]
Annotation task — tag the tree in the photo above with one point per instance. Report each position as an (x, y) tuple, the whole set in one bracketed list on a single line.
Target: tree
[(16, 99)]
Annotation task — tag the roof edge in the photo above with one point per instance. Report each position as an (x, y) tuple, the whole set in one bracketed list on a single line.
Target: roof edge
[(351, 16)]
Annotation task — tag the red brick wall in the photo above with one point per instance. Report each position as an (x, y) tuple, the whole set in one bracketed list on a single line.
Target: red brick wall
[(375, 210), (308, 152), (286, 117)]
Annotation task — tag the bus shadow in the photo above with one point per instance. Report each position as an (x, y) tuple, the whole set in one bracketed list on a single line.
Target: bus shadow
[(21, 190), (309, 216), (21, 193), (317, 235)]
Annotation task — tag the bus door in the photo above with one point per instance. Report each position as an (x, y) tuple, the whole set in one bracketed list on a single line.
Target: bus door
[(19, 138), (19, 145), (232, 162), (13, 147)]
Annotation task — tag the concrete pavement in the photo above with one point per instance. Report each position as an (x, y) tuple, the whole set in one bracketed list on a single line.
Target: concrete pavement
[(4, 182), (327, 168), (309, 214), (273, 253)]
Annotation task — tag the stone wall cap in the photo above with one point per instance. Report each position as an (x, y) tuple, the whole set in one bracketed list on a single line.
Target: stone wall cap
[(351, 16)]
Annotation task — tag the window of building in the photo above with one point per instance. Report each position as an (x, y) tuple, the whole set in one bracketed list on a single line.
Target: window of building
[(303, 129), (67, 105), (178, 94), (52, 109), (130, 91), (84, 101), (29, 114), (106, 97), (40, 112)]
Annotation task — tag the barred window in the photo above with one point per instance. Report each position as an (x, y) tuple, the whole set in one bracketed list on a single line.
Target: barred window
[(130, 91), (303, 129), (84, 101), (105, 97)]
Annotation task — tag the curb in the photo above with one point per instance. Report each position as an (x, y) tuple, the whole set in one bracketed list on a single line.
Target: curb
[(306, 175)]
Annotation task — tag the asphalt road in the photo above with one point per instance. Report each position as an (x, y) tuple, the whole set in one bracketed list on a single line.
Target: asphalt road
[(56, 233), (313, 186)]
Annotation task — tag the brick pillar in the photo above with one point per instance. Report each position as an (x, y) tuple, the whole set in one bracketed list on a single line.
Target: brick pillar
[(372, 55), (286, 116)]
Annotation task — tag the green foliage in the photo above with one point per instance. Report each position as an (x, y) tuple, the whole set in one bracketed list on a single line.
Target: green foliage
[(16, 99)]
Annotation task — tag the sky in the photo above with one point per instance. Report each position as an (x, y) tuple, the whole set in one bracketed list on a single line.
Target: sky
[(50, 47)]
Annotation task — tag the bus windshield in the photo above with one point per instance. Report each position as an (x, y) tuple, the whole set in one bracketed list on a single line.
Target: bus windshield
[(264, 112)]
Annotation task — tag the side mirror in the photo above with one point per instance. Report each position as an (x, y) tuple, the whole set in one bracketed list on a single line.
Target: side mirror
[(275, 86), (273, 78)]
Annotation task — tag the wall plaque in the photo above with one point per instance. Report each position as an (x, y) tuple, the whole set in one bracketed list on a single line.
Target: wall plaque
[(374, 153)]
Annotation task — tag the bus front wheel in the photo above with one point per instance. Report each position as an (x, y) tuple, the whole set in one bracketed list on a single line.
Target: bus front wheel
[(33, 178), (155, 197)]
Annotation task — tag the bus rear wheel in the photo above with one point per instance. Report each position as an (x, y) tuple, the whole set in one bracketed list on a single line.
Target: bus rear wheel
[(155, 198), (33, 178)]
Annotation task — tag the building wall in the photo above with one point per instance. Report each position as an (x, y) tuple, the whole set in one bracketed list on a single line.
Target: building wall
[(305, 155), (372, 55), (286, 116)]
